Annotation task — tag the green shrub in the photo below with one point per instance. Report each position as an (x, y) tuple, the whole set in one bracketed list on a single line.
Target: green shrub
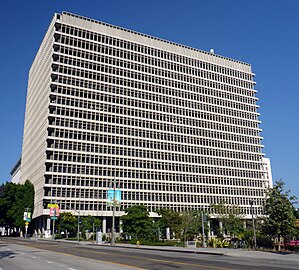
[(218, 243), (104, 238), (158, 243), (264, 241), (74, 239), (59, 236)]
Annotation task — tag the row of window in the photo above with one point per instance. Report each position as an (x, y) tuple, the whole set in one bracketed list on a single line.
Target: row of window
[(178, 204), (145, 189), (164, 179), (164, 158), (109, 148), (138, 173), (146, 101), (185, 126), (147, 64), (163, 142), (128, 81), (177, 133), (131, 70), (137, 108), (180, 89), (148, 195), (146, 50)]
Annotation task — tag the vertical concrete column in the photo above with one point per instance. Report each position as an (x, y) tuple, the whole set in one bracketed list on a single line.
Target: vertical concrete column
[(120, 226), (209, 229), (221, 227), (104, 225), (48, 224), (167, 233)]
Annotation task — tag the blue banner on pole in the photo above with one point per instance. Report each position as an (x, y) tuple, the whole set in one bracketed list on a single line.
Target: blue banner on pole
[(113, 199)]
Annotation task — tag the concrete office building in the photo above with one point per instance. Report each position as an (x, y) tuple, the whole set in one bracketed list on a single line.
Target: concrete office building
[(175, 126)]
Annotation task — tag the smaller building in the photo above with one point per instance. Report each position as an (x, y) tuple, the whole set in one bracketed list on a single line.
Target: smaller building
[(267, 172), (16, 172)]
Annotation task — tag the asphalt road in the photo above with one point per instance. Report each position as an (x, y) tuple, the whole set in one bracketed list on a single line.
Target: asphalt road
[(22, 254)]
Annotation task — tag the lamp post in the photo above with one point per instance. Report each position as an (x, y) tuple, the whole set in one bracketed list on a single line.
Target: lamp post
[(113, 214), (203, 231), (253, 224), (78, 229)]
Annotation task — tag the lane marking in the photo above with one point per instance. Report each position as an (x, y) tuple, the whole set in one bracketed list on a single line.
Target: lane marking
[(33, 257), (166, 261), (140, 258), (86, 258), (48, 262), (190, 264), (103, 261), (67, 268)]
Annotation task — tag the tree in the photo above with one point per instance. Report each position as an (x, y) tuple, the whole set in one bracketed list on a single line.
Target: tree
[(90, 222), (6, 204), (231, 218), (279, 211), (67, 223), (137, 223), (13, 202), (190, 224), (169, 219)]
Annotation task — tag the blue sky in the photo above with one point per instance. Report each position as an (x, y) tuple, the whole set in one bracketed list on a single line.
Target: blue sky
[(261, 32)]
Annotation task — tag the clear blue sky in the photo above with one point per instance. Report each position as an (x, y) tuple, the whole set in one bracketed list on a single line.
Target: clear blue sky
[(261, 32)]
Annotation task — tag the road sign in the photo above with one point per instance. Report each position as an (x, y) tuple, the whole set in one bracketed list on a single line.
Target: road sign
[(27, 216), (54, 205), (26, 223), (54, 211), (54, 217)]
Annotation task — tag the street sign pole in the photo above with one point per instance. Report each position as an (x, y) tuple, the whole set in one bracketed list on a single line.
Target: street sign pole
[(54, 217), (54, 214), (27, 219)]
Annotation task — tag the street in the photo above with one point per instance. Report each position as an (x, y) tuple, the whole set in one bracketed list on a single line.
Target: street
[(24, 254)]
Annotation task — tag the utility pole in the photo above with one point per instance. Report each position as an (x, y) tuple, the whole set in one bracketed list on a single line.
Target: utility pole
[(253, 224), (203, 231), (113, 214), (93, 230)]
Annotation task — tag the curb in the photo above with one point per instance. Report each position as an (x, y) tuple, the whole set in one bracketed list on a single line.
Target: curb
[(140, 247)]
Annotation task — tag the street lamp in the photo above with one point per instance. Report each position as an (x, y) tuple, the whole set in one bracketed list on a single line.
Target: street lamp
[(113, 214), (253, 224)]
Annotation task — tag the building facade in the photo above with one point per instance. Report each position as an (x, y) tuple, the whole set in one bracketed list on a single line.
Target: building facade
[(16, 172), (174, 126)]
